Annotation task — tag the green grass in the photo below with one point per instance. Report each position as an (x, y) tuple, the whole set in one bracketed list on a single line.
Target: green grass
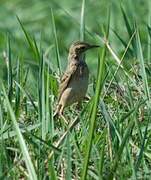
[(110, 137)]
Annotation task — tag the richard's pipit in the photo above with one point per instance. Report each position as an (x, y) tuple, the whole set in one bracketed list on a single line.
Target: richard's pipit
[(74, 83)]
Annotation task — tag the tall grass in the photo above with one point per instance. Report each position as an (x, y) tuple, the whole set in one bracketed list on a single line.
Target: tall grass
[(109, 138)]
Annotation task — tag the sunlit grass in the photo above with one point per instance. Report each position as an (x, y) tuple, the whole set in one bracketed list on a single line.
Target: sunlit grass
[(110, 137)]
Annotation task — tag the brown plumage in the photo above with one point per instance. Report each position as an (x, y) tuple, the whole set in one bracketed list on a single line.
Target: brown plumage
[(74, 82)]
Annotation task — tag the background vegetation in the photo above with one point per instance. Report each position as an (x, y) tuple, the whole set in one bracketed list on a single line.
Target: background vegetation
[(111, 136)]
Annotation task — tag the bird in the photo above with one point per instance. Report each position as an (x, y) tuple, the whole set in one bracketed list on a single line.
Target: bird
[(74, 82)]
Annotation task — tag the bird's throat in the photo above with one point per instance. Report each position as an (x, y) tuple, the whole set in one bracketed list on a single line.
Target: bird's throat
[(76, 57)]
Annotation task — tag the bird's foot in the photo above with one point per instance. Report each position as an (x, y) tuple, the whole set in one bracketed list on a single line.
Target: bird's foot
[(57, 114), (65, 120)]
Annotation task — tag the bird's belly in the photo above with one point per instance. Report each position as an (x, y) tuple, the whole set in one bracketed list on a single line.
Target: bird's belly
[(79, 87), (75, 91)]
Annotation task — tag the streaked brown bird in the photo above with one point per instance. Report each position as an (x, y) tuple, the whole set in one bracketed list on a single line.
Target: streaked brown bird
[(74, 82)]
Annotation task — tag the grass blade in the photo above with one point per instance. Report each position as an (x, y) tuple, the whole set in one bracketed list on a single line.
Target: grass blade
[(129, 30), (82, 21), (108, 120), (28, 162), (93, 115), (41, 93), (149, 34), (140, 156), (28, 95), (10, 73), (118, 155), (69, 166), (17, 97), (102, 155), (142, 65), (30, 41), (56, 42)]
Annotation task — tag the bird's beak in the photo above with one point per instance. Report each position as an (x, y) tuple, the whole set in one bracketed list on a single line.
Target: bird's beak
[(93, 46)]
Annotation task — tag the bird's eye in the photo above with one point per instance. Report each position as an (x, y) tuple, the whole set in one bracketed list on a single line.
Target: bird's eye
[(83, 47)]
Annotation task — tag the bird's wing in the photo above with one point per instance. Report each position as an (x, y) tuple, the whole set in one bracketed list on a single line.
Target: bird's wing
[(66, 78)]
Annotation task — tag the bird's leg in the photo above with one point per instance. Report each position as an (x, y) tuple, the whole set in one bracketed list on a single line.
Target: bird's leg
[(65, 120), (61, 114), (57, 111)]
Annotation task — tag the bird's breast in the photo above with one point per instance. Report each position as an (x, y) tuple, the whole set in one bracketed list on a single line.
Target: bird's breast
[(79, 82), (82, 70), (77, 86)]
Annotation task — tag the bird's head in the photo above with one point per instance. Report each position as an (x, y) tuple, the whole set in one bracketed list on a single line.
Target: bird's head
[(80, 47)]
